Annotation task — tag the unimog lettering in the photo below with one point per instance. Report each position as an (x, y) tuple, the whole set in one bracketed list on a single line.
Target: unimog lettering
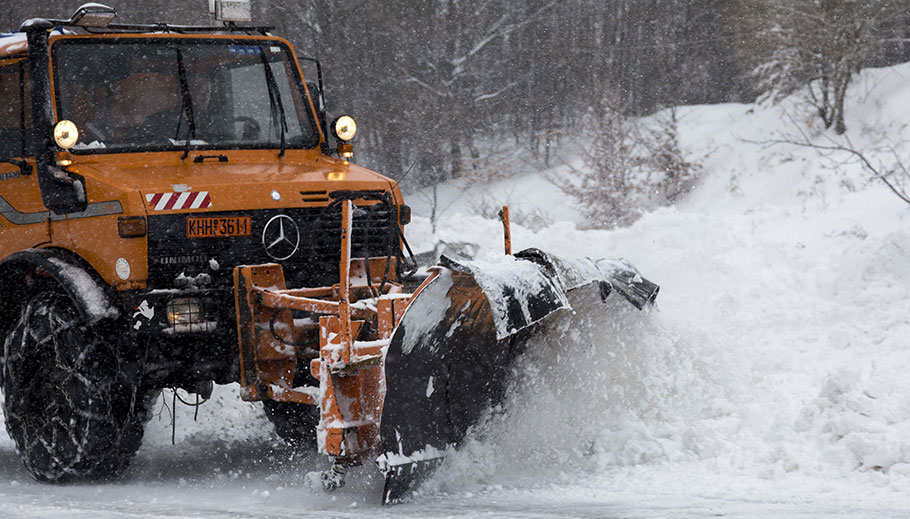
[(180, 260)]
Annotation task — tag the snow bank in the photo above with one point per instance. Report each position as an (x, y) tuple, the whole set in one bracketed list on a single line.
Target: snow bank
[(782, 341)]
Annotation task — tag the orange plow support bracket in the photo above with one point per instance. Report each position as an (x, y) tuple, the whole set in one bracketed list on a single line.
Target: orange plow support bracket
[(355, 325)]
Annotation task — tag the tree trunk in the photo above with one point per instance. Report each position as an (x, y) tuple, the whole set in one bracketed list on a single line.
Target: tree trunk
[(457, 166), (825, 110), (840, 94), (433, 208)]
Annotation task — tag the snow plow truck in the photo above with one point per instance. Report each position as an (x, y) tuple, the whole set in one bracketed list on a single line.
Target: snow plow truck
[(178, 210)]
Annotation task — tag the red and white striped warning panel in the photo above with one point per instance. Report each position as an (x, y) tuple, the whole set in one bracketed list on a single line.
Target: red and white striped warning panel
[(175, 201)]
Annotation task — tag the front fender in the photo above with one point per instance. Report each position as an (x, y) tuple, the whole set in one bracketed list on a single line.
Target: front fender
[(92, 297)]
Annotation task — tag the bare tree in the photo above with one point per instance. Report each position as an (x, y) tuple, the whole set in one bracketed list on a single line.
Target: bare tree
[(453, 82), (816, 45), (629, 165)]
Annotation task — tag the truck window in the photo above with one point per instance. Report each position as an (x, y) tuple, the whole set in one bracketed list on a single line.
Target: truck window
[(138, 95), (247, 80), (15, 109)]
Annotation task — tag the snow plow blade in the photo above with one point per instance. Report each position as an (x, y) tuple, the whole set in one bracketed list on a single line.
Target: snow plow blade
[(402, 477), (450, 355)]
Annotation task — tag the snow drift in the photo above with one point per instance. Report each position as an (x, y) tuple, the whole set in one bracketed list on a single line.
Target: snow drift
[(780, 347)]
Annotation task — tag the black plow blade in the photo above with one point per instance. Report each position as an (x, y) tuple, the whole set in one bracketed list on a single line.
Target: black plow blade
[(403, 478), (451, 354)]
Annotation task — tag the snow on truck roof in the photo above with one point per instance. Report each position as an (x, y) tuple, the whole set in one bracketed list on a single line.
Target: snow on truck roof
[(16, 43), (12, 43)]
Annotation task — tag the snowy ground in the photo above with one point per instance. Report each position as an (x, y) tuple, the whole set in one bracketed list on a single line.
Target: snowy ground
[(771, 381)]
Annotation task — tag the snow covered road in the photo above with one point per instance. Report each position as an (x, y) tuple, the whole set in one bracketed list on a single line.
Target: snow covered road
[(184, 492)]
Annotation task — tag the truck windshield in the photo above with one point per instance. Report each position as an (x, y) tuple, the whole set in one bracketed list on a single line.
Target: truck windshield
[(174, 94)]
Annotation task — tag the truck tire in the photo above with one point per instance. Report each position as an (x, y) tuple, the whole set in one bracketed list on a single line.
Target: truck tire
[(71, 399), (294, 423)]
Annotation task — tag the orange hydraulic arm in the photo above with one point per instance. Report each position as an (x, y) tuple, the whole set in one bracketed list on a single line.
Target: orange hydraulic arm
[(353, 326)]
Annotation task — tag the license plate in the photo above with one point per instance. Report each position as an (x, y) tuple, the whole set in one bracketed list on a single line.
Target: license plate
[(217, 226)]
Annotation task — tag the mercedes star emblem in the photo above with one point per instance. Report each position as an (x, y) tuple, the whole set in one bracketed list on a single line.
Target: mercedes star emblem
[(281, 237)]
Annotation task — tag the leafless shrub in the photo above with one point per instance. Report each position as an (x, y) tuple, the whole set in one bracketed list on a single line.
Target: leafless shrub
[(886, 163), (629, 166), (534, 218), (675, 174)]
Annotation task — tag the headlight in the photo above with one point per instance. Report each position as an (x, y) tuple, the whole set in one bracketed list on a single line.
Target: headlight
[(185, 310), (344, 128), (66, 134)]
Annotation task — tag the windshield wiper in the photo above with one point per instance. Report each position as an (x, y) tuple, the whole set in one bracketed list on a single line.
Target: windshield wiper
[(275, 100), (187, 106)]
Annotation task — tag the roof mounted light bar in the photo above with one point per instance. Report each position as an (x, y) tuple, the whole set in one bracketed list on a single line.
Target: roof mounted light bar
[(165, 27), (95, 17), (231, 10)]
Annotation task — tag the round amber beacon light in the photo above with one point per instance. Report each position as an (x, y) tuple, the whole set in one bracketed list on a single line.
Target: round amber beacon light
[(345, 128), (66, 135)]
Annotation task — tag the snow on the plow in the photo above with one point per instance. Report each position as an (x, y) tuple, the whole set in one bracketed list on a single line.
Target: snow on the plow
[(510, 279), (426, 316)]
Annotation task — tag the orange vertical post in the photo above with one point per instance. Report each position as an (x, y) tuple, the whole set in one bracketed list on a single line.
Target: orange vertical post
[(344, 298), (506, 228)]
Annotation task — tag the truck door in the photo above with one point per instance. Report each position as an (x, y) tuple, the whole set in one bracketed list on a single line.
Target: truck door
[(23, 217)]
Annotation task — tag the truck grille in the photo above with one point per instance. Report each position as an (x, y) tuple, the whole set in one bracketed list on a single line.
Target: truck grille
[(314, 263)]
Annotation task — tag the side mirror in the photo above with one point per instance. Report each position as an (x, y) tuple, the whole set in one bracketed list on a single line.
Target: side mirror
[(318, 102), (63, 191), (317, 92)]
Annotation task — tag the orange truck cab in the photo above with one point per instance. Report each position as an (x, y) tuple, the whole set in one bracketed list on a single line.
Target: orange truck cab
[(139, 164)]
